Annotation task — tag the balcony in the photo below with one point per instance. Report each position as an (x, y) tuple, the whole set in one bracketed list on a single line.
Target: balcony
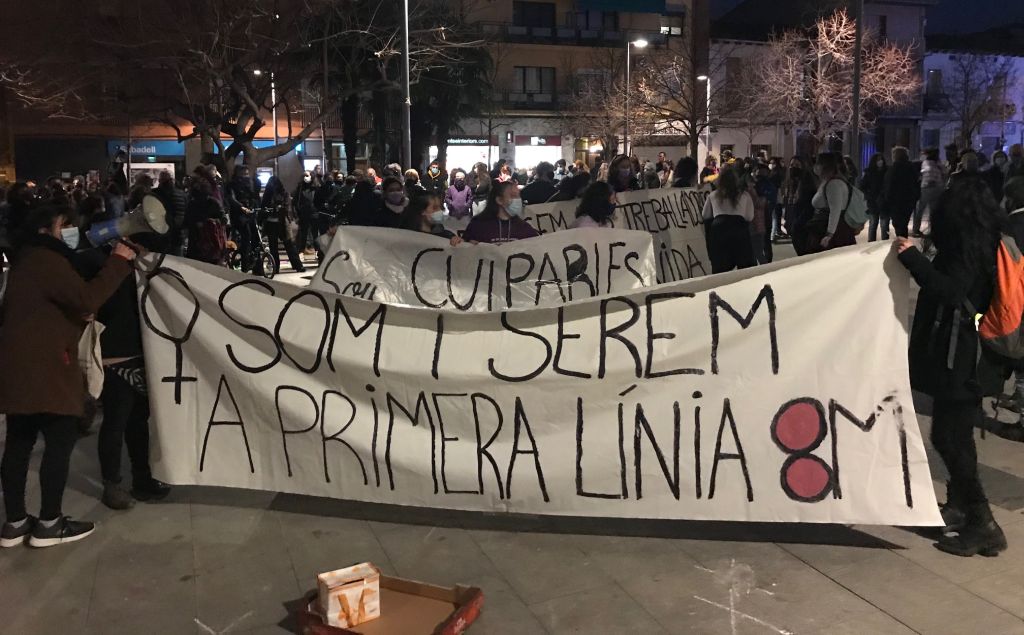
[(562, 35), (516, 100)]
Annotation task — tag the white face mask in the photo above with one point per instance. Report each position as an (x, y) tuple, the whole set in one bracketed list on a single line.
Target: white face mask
[(515, 207), (307, 179), (71, 236), (437, 217)]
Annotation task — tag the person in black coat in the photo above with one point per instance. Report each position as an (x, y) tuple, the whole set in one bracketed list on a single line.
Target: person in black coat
[(175, 203), (901, 191), (873, 184), (944, 351), (543, 186)]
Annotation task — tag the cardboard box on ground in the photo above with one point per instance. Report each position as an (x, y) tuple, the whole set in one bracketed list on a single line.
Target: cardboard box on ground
[(406, 607)]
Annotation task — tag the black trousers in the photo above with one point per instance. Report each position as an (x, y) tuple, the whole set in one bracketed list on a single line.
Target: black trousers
[(730, 244), (277, 231), (125, 422), (953, 425), (248, 243), (60, 432), (306, 229), (901, 221)]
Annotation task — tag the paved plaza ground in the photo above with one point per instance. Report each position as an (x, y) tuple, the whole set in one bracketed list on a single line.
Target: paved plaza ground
[(211, 560)]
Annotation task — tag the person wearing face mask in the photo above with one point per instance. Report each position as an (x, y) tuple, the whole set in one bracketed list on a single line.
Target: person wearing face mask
[(41, 386), (995, 175), (597, 207), (435, 180), (872, 184), (425, 214), (392, 205), (501, 220), (621, 175), (459, 197)]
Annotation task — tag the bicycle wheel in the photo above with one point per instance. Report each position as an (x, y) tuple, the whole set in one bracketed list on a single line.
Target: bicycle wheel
[(269, 264)]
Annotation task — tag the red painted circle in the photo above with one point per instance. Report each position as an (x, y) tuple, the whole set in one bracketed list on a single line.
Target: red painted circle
[(807, 477), (799, 427)]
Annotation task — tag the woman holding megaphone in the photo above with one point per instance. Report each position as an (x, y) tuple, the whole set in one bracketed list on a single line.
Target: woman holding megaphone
[(41, 386)]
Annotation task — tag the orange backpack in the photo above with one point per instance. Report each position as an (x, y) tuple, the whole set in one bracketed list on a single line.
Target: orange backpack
[(1002, 327)]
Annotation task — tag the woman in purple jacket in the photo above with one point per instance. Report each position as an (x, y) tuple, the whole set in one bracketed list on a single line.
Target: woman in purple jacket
[(459, 197)]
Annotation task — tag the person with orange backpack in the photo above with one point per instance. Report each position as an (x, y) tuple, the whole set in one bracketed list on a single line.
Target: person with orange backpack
[(1013, 203), (945, 360)]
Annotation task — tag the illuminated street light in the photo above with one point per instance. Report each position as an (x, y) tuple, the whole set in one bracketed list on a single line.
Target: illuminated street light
[(639, 43)]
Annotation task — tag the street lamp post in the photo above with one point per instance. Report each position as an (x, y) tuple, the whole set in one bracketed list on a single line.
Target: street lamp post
[(640, 43), (407, 107), (273, 111), (857, 66), (707, 110)]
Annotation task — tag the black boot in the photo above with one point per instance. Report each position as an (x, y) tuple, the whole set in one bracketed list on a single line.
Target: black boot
[(954, 516), (981, 535)]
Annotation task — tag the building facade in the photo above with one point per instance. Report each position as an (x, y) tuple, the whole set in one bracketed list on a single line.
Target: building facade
[(544, 51), (743, 33), (974, 95)]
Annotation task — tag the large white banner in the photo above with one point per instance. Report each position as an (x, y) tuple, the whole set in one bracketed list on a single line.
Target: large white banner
[(761, 395), (671, 215), (407, 268)]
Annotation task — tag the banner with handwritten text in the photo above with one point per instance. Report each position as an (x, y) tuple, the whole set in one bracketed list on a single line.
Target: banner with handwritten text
[(414, 269), (760, 395)]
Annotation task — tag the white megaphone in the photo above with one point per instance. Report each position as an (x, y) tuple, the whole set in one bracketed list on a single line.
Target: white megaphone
[(150, 216)]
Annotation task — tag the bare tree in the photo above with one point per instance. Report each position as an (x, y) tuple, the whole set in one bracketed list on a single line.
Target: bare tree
[(596, 103), (804, 78), (976, 92), (672, 99), (214, 69)]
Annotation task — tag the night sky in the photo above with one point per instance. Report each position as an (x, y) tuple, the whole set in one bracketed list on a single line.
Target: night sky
[(950, 16)]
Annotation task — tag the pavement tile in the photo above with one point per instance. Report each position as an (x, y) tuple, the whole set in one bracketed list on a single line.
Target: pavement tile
[(922, 600), (37, 578), (1004, 589), (504, 612), (624, 558), (540, 566), (247, 594), (316, 544), (436, 555), (137, 596), (226, 535), (606, 609)]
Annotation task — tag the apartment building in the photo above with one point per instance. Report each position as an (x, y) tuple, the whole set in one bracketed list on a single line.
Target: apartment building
[(975, 82), (543, 51)]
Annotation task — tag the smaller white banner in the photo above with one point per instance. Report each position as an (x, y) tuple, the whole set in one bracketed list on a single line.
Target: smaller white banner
[(415, 269)]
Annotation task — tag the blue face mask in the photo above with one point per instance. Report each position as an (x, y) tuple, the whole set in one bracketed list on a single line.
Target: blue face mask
[(71, 236), (515, 207), (437, 217)]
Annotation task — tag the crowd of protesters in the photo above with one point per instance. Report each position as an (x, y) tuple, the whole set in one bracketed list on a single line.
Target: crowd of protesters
[(59, 283)]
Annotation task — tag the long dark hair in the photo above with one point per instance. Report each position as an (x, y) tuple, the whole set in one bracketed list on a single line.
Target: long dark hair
[(729, 185), (274, 189), (831, 164), (594, 202), (415, 209), (966, 224), (873, 166), (498, 188)]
